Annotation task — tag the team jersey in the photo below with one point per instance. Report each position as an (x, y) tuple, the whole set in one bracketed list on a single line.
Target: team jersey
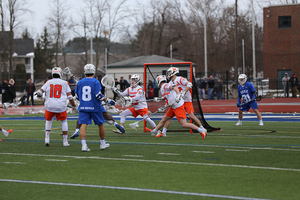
[(86, 90), (170, 95), (136, 94), (181, 84), (246, 92), (56, 91)]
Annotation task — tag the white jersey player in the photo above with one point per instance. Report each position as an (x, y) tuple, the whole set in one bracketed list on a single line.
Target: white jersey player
[(57, 92), (135, 94)]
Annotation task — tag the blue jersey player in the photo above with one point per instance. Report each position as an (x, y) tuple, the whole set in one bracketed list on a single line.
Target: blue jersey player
[(88, 92), (247, 93)]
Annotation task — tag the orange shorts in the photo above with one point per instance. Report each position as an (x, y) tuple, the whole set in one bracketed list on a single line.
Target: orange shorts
[(59, 116), (140, 112), (189, 108), (178, 112)]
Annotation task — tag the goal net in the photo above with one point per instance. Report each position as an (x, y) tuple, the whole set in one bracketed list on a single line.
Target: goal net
[(151, 71)]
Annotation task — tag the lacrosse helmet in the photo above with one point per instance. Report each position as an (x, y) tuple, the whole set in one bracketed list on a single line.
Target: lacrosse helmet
[(242, 79), (160, 79), (172, 71), (89, 69), (135, 80), (58, 71)]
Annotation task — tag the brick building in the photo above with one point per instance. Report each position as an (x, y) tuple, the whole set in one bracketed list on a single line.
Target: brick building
[(281, 41)]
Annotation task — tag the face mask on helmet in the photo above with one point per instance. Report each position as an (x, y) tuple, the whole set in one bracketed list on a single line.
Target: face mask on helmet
[(160, 79), (242, 79), (57, 72), (172, 71), (135, 80), (89, 69)]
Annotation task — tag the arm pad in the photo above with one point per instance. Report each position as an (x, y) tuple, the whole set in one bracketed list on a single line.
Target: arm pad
[(190, 85), (100, 96)]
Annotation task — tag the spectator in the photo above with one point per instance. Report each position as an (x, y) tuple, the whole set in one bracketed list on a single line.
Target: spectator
[(285, 84), (72, 84), (294, 85), (11, 94), (4, 90), (219, 90), (116, 85), (129, 80), (211, 84), (202, 88), (30, 89), (123, 84)]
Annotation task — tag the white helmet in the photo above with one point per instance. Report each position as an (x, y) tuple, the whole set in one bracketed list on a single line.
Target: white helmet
[(135, 80), (58, 71), (89, 69), (172, 71), (242, 79), (160, 79)]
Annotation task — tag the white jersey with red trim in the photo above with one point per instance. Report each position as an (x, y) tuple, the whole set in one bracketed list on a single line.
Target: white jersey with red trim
[(136, 94), (56, 91), (170, 95), (181, 83)]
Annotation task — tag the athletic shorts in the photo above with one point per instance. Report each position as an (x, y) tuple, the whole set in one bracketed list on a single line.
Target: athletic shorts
[(87, 117), (189, 108), (141, 112), (59, 116), (102, 109), (247, 106), (178, 112)]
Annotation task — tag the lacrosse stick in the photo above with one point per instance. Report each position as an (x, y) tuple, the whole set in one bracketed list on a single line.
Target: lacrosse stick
[(258, 98), (155, 99), (7, 105), (68, 72), (136, 124)]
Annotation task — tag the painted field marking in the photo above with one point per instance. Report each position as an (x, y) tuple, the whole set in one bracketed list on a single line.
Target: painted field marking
[(236, 150), (203, 152), (136, 156), (155, 161), (132, 189), (16, 163), (56, 160), (169, 154)]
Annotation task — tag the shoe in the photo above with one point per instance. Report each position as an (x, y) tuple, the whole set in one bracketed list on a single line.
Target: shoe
[(148, 129), (47, 141), (121, 129), (261, 123), (154, 133), (76, 134), (85, 148), (7, 132), (239, 123), (104, 146), (160, 134), (0, 140), (66, 144), (203, 133), (117, 131)]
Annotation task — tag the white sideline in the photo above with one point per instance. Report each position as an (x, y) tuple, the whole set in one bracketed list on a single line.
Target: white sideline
[(155, 161), (132, 189)]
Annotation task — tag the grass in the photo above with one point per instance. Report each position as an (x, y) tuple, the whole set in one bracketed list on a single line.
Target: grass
[(246, 162)]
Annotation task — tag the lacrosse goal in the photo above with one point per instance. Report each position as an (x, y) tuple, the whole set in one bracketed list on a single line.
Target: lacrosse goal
[(151, 71)]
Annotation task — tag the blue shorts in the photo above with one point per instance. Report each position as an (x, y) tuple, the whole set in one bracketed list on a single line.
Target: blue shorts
[(87, 117), (247, 106), (102, 109)]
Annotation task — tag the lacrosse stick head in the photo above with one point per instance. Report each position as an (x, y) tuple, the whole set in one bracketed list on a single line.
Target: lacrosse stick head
[(134, 125), (108, 81)]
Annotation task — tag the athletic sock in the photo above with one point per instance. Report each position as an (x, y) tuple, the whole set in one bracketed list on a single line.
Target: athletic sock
[(65, 138), (77, 130), (164, 130), (83, 142), (102, 141), (47, 134), (4, 131)]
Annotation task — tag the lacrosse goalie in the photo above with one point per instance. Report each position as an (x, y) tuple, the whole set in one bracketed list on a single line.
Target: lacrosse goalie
[(135, 96), (173, 98), (247, 92), (5, 132)]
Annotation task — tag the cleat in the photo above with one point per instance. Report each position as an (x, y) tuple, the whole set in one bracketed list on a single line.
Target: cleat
[(121, 129), (203, 133), (148, 129), (76, 134), (104, 146), (47, 142), (239, 124), (9, 130), (154, 133), (261, 123), (117, 131), (160, 134), (66, 144), (85, 148), (0, 140)]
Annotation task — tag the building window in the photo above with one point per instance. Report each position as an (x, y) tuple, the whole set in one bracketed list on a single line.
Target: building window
[(284, 22)]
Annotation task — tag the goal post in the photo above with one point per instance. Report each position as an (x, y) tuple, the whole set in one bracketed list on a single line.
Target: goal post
[(151, 71)]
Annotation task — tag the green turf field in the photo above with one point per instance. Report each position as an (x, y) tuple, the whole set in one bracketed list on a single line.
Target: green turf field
[(246, 162)]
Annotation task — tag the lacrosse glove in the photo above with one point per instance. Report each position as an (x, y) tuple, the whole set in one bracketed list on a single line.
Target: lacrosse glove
[(109, 101)]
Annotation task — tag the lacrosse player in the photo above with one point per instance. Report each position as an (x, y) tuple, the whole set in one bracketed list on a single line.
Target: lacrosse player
[(89, 94), (184, 87), (133, 94), (5, 132), (171, 94), (247, 92), (57, 93)]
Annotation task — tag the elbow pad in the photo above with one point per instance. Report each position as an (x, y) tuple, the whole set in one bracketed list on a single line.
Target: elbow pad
[(190, 85)]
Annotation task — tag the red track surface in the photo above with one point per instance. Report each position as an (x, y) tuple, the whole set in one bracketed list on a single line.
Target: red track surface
[(275, 105)]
